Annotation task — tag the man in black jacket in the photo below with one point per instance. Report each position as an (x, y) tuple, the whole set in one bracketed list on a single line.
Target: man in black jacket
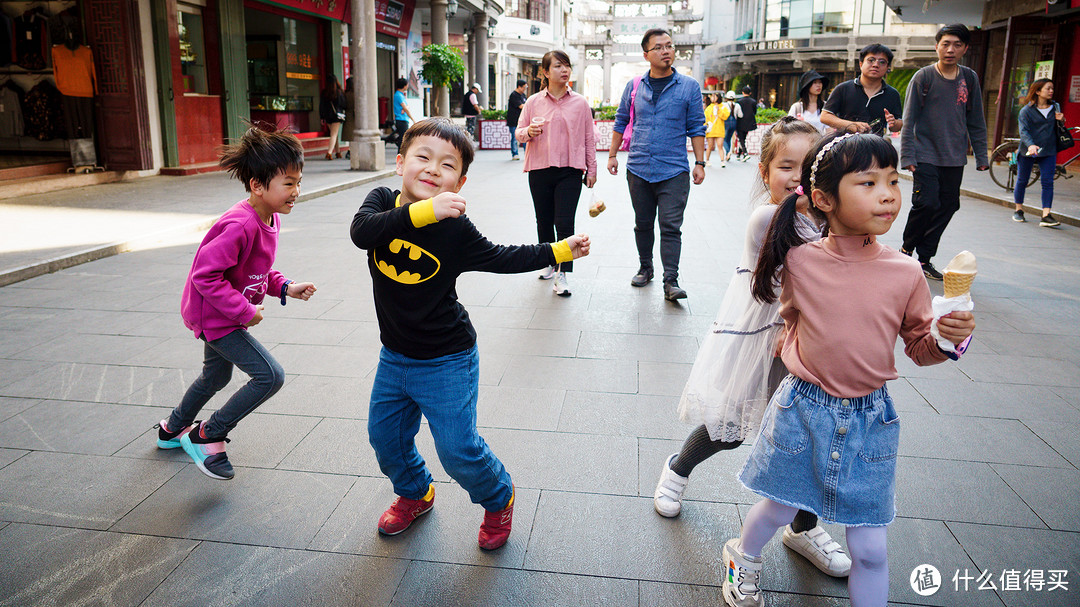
[(746, 122)]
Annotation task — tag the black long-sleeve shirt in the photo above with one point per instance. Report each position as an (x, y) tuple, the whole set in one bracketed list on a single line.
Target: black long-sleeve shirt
[(414, 264)]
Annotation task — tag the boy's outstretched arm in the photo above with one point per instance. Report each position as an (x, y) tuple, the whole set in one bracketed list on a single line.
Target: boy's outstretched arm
[(379, 221)]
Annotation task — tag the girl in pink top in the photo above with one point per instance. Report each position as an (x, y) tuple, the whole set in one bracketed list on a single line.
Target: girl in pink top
[(830, 435), (557, 125), (223, 296)]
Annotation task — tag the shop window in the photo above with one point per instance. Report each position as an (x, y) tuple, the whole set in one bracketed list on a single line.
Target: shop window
[(537, 10), (189, 22)]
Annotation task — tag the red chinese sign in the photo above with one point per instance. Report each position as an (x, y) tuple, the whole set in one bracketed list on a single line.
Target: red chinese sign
[(333, 9), (394, 17)]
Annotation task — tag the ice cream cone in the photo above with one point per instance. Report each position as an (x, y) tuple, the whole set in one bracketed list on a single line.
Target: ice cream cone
[(959, 274), (958, 283)]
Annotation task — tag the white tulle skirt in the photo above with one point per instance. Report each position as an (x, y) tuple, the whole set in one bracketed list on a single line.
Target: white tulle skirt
[(728, 388)]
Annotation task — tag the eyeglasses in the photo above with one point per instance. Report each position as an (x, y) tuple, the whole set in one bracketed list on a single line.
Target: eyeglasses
[(873, 61), (661, 49)]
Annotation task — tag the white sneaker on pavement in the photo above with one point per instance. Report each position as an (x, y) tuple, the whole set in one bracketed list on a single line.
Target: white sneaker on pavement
[(820, 549), (548, 273), (560, 286), (741, 573), (667, 499)]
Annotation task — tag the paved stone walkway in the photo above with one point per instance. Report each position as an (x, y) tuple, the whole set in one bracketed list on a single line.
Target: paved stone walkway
[(577, 397)]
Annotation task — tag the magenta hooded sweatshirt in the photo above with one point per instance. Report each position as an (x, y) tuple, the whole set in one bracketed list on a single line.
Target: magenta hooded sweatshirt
[(231, 273)]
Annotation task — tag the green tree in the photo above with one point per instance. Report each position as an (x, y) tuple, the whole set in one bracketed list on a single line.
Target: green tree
[(441, 65)]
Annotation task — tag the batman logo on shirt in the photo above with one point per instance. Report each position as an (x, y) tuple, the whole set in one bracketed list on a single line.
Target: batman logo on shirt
[(405, 262)]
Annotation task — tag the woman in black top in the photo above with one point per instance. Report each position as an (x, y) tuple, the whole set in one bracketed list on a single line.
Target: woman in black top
[(1038, 144), (332, 112)]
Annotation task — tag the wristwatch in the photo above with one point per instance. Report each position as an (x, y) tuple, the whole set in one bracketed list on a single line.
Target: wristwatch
[(700, 163)]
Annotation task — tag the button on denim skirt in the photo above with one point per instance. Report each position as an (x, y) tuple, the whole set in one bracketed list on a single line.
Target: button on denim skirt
[(835, 457)]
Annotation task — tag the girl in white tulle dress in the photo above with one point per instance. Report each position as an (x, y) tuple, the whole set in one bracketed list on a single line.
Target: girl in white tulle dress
[(736, 371)]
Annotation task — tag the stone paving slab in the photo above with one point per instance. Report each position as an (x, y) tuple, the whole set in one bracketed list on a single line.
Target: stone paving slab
[(10, 455), (452, 584), (10, 406), (1042, 489), (58, 566), (981, 495), (1013, 443), (984, 399), (232, 574), (78, 427), (1061, 437), (260, 507), (74, 490), (1000, 549)]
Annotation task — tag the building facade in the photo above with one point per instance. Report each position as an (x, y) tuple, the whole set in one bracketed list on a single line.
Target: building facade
[(777, 40), (608, 34), (526, 31)]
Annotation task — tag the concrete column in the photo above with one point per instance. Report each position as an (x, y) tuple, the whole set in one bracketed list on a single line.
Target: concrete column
[(368, 150), (480, 33), (440, 34), (607, 77)]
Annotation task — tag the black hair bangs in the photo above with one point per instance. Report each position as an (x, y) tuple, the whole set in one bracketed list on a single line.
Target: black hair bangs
[(862, 153)]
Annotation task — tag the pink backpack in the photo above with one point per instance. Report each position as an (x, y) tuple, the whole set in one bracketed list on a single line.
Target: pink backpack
[(625, 145)]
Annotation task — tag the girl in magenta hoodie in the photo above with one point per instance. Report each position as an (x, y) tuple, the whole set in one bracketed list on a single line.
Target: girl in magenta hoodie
[(223, 296)]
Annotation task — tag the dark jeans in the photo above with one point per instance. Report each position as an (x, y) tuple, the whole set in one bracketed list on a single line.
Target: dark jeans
[(1047, 166), (729, 132), (668, 200), (935, 199), (470, 125), (555, 193), (400, 126), (243, 351)]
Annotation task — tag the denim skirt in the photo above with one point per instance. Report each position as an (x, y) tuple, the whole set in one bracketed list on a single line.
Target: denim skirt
[(835, 457)]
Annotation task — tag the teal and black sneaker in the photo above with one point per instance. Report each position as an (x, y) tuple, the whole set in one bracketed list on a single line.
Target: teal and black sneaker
[(208, 454), (166, 439)]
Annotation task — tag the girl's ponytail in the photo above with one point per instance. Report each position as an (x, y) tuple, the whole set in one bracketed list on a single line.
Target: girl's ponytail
[(781, 237)]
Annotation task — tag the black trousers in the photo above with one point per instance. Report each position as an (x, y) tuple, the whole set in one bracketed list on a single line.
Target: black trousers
[(555, 193), (742, 133), (400, 126), (935, 199)]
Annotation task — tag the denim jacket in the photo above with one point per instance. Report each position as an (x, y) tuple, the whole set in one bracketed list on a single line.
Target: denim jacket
[(658, 142)]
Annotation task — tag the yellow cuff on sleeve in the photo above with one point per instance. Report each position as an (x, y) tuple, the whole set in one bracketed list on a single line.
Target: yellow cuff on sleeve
[(422, 212), (562, 251)]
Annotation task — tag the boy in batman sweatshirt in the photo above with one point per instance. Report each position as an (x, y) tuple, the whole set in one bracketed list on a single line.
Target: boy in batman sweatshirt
[(418, 241)]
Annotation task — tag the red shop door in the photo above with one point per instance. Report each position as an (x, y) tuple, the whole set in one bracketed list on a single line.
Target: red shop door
[(196, 81), (123, 121)]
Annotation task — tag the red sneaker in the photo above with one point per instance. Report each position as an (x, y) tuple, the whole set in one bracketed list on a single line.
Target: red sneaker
[(496, 527), (404, 511)]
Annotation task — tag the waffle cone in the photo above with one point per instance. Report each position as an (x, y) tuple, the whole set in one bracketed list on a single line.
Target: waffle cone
[(958, 283)]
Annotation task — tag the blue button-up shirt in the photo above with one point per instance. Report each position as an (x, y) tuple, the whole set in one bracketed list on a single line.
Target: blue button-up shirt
[(661, 126)]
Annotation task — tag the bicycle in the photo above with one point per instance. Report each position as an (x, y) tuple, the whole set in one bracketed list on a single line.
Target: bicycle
[(1003, 164)]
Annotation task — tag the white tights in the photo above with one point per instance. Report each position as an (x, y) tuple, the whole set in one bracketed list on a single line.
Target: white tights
[(868, 583)]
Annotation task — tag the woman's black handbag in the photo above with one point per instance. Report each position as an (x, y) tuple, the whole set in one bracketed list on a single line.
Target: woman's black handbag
[(1062, 136)]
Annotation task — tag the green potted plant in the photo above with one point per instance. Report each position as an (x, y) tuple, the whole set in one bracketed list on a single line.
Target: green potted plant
[(441, 65)]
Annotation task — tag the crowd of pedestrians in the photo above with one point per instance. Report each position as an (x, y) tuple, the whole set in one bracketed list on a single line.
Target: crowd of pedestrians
[(797, 360)]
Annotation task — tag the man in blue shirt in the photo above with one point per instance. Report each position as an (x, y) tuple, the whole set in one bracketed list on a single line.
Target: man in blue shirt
[(402, 116), (667, 109)]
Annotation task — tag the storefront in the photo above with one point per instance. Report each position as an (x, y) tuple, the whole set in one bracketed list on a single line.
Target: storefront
[(60, 101)]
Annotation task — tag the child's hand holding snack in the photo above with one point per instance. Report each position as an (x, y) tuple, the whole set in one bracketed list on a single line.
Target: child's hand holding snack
[(448, 205), (579, 245)]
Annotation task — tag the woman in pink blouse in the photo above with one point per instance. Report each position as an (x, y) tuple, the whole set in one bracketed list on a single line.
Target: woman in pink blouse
[(557, 124)]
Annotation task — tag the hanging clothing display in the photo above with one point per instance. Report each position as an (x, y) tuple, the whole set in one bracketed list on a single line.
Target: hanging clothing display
[(74, 70), (42, 112), (7, 40), (31, 35), (11, 114)]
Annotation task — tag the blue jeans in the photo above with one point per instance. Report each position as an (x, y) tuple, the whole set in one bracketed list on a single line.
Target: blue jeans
[(513, 141), (243, 351), (443, 390), (729, 132), (1047, 166)]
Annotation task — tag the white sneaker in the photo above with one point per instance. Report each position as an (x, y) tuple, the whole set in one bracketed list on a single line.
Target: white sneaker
[(560, 286), (547, 274), (740, 587), (667, 499), (723, 164), (820, 549)]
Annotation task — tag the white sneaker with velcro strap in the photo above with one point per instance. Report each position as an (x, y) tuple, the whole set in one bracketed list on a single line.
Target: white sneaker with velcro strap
[(667, 499), (820, 549)]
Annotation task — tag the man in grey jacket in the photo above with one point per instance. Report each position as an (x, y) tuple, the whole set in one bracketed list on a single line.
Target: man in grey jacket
[(943, 113)]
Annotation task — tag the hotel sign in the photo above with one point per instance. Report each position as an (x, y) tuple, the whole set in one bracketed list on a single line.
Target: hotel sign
[(775, 45)]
